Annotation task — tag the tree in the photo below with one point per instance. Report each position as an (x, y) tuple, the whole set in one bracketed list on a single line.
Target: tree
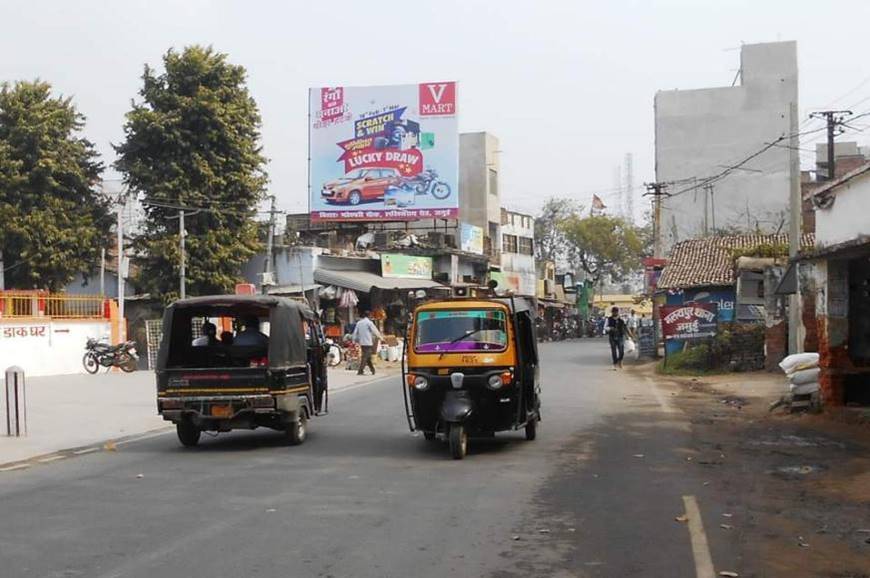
[(550, 241), (606, 247), (53, 221), (194, 141)]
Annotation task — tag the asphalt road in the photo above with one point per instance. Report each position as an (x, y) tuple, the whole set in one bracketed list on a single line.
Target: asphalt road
[(595, 495)]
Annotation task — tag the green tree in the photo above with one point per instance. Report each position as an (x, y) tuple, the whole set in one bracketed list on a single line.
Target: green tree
[(53, 221), (550, 241), (194, 141), (606, 247)]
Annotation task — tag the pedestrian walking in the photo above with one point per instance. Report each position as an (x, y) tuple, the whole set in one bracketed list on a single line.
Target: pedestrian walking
[(616, 331), (632, 324), (366, 334)]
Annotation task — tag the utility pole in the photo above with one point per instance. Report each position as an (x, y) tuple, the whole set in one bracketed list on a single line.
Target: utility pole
[(120, 248), (709, 193), (182, 281), (271, 238), (795, 318), (657, 191), (833, 118)]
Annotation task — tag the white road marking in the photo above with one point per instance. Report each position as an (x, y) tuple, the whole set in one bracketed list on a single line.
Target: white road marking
[(50, 459), (86, 451), (700, 547), (359, 385), (16, 467), (145, 436)]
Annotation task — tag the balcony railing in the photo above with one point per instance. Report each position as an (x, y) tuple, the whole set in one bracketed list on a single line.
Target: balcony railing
[(30, 304)]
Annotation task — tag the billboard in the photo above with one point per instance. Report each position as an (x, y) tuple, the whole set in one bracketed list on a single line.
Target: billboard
[(471, 238), (398, 265), (383, 153), (689, 321)]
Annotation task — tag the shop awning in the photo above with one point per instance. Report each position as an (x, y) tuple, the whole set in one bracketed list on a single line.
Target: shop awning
[(364, 281)]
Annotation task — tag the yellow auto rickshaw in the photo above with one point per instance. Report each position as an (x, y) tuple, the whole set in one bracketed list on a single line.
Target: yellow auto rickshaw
[(470, 367)]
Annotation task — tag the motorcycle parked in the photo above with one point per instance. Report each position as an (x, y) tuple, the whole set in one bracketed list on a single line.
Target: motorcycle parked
[(99, 354), (428, 182)]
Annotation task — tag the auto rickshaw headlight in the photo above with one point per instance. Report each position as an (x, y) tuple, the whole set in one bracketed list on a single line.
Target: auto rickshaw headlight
[(494, 382), (421, 383)]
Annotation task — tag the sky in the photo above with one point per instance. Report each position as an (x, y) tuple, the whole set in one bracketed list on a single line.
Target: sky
[(567, 86)]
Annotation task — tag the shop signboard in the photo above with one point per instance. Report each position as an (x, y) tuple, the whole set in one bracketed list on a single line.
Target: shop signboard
[(689, 321), (383, 153), (471, 238), (397, 265), (725, 299)]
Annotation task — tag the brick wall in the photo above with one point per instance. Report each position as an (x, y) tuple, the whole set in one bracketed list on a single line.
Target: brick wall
[(775, 345)]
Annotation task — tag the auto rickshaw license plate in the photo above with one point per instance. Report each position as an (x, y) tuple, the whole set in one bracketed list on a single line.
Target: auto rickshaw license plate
[(221, 410)]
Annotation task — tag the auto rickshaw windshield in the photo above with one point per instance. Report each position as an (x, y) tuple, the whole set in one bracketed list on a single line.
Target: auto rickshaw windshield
[(460, 330)]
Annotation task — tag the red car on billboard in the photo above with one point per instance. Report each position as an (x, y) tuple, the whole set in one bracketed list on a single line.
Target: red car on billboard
[(360, 185)]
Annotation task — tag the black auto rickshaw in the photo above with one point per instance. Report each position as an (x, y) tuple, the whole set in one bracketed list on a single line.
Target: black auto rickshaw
[(470, 367), (260, 362)]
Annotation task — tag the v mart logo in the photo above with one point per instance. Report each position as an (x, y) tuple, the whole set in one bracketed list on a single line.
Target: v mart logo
[(438, 98)]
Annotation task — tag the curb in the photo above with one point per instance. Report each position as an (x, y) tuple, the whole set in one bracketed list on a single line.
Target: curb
[(81, 450), (51, 457)]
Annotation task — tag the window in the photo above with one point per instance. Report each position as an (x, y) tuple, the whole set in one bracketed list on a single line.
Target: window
[(509, 243), (493, 182), (526, 246), (460, 330)]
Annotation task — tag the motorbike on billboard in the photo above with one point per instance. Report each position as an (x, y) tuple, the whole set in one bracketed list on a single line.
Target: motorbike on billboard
[(428, 182), (405, 193)]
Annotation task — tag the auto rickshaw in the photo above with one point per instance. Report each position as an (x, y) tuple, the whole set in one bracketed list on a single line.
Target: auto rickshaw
[(470, 367), (260, 363)]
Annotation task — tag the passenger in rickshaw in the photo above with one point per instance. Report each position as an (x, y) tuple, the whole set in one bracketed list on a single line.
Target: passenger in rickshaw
[(209, 335), (251, 336)]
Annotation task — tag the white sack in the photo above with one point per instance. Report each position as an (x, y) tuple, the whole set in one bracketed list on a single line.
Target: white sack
[(804, 376)]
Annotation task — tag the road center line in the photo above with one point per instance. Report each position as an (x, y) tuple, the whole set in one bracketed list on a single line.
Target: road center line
[(700, 547)]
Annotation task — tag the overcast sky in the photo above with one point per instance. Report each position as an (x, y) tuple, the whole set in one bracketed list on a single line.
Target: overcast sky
[(566, 85)]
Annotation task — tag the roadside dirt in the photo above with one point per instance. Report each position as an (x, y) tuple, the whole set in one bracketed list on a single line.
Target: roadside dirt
[(800, 482)]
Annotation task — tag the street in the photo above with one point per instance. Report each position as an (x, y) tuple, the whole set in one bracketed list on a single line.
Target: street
[(363, 497), (597, 494)]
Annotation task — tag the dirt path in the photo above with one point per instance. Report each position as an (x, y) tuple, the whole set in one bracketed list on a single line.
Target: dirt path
[(799, 484)]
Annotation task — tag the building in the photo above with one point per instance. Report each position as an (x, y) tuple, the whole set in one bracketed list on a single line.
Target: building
[(848, 156), (517, 259), (839, 287), (740, 273), (701, 133), (479, 195)]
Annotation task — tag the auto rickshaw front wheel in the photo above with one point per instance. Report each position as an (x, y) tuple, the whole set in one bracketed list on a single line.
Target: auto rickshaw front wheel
[(532, 429), (458, 440), (297, 429), (188, 434)]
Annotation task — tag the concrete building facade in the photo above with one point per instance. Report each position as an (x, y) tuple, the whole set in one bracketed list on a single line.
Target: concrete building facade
[(479, 195), (700, 133), (518, 252)]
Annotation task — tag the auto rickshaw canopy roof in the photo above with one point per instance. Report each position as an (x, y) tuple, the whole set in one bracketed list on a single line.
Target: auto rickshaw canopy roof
[(287, 345)]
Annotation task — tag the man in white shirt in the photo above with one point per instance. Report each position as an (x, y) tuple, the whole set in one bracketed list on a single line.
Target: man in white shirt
[(366, 334)]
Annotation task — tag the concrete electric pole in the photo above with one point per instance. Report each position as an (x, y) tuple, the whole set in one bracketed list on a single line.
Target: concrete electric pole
[(833, 118), (182, 268), (795, 318), (271, 237), (657, 191)]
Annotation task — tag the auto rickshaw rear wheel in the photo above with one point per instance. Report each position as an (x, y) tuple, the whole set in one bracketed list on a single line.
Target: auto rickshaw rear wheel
[(297, 429), (532, 429), (458, 440), (188, 434)]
